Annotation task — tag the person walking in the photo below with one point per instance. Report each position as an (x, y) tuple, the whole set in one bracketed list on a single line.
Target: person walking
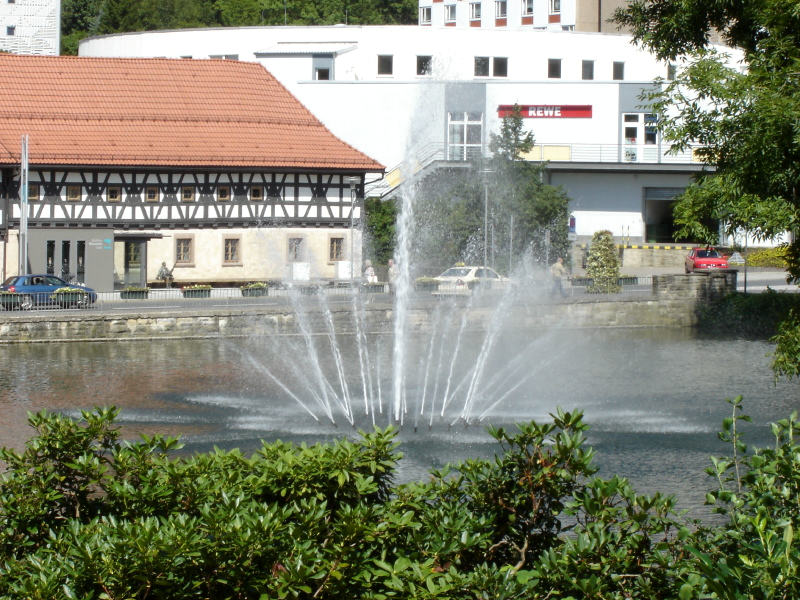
[(392, 275), (558, 270)]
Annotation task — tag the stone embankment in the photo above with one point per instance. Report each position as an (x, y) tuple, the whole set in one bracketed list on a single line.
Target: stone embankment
[(672, 304)]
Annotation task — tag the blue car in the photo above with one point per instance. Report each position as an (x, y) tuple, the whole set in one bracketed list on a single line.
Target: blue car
[(38, 290)]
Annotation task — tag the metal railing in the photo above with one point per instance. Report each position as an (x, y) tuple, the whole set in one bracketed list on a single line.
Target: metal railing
[(161, 299), (551, 152)]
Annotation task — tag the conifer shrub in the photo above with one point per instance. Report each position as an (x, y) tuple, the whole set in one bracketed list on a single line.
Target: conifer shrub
[(603, 264)]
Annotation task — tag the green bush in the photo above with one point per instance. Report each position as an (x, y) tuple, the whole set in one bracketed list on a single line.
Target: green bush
[(603, 264), (747, 315), (83, 515), (769, 257)]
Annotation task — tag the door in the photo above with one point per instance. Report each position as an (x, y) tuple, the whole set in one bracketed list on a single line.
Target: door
[(134, 273)]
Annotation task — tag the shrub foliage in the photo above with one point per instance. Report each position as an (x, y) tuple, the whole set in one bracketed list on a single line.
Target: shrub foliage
[(88, 516), (603, 264)]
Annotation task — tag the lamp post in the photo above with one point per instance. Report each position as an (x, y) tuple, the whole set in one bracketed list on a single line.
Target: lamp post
[(23, 205), (485, 172), (354, 181)]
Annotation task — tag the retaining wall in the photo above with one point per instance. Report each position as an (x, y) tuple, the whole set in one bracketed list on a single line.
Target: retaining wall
[(673, 304)]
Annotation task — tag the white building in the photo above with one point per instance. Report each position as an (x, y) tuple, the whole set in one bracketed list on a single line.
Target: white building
[(543, 15), (412, 97), (30, 26)]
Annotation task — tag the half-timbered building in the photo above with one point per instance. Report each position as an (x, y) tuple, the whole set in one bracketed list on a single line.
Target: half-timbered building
[(210, 166)]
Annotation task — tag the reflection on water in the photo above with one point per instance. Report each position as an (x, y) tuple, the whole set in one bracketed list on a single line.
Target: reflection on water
[(654, 399)]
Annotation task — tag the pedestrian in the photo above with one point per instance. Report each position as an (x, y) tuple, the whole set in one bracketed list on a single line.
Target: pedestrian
[(369, 272), (558, 270), (392, 275)]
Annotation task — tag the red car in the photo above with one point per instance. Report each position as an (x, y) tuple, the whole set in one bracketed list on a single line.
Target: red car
[(705, 259)]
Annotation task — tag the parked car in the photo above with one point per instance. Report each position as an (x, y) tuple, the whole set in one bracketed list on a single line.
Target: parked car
[(462, 280), (39, 290), (705, 259)]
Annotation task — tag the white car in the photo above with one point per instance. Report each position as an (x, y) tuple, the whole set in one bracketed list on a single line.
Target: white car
[(462, 280)]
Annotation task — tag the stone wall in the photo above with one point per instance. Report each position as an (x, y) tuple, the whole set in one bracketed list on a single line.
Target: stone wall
[(654, 257), (672, 304)]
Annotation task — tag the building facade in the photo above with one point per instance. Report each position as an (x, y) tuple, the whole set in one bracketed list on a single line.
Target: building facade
[(416, 97), (540, 15), (211, 167), (30, 26)]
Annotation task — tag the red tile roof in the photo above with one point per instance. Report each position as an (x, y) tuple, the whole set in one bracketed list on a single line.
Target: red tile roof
[(160, 112)]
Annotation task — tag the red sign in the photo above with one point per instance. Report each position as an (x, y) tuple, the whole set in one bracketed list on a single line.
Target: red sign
[(548, 111)]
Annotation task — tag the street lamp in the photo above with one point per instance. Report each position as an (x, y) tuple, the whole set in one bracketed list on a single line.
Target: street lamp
[(354, 181), (485, 172)]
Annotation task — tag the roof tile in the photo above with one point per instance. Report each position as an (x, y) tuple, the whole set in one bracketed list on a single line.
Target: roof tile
[(160, 112)]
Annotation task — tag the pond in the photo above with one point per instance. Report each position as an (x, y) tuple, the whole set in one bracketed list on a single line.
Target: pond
[(654, 398)]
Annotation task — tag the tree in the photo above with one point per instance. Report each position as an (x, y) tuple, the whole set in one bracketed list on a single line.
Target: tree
[(89, 17), (743, 120), (380, 229), (528, 206)]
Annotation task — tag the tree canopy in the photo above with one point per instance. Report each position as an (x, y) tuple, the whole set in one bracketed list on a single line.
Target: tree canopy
[(83, 18), (745, 118), (501, 203)]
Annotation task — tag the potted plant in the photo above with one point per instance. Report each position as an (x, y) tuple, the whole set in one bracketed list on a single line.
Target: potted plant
[(132, 292), (196, 291), (258, 288), (374, 288), (426, 284), (67, 297), (10, 300)]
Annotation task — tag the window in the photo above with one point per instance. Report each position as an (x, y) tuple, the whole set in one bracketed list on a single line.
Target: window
[(501, 9), (423, 65), (619, 71), (500, 66), (231, 252), (295, 249), (464, 135), (449, 13), (555, 6), (223, 193), (672, 71), (650, 129), (475, 11), (73, 193), (481, 66), (322, 67), (184, 251), (11, 30), (187, 194), (336, 249), (385, 64), (425, 15), (587, 69), (151, 194), (33, 192), (256, 193), (527, 7), (114, 194), (554, 68)]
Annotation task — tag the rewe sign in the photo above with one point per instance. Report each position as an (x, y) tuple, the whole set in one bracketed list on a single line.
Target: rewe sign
[(544, 111)]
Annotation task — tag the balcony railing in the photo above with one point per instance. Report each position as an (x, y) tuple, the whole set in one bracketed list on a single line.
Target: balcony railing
[(554, 153)]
